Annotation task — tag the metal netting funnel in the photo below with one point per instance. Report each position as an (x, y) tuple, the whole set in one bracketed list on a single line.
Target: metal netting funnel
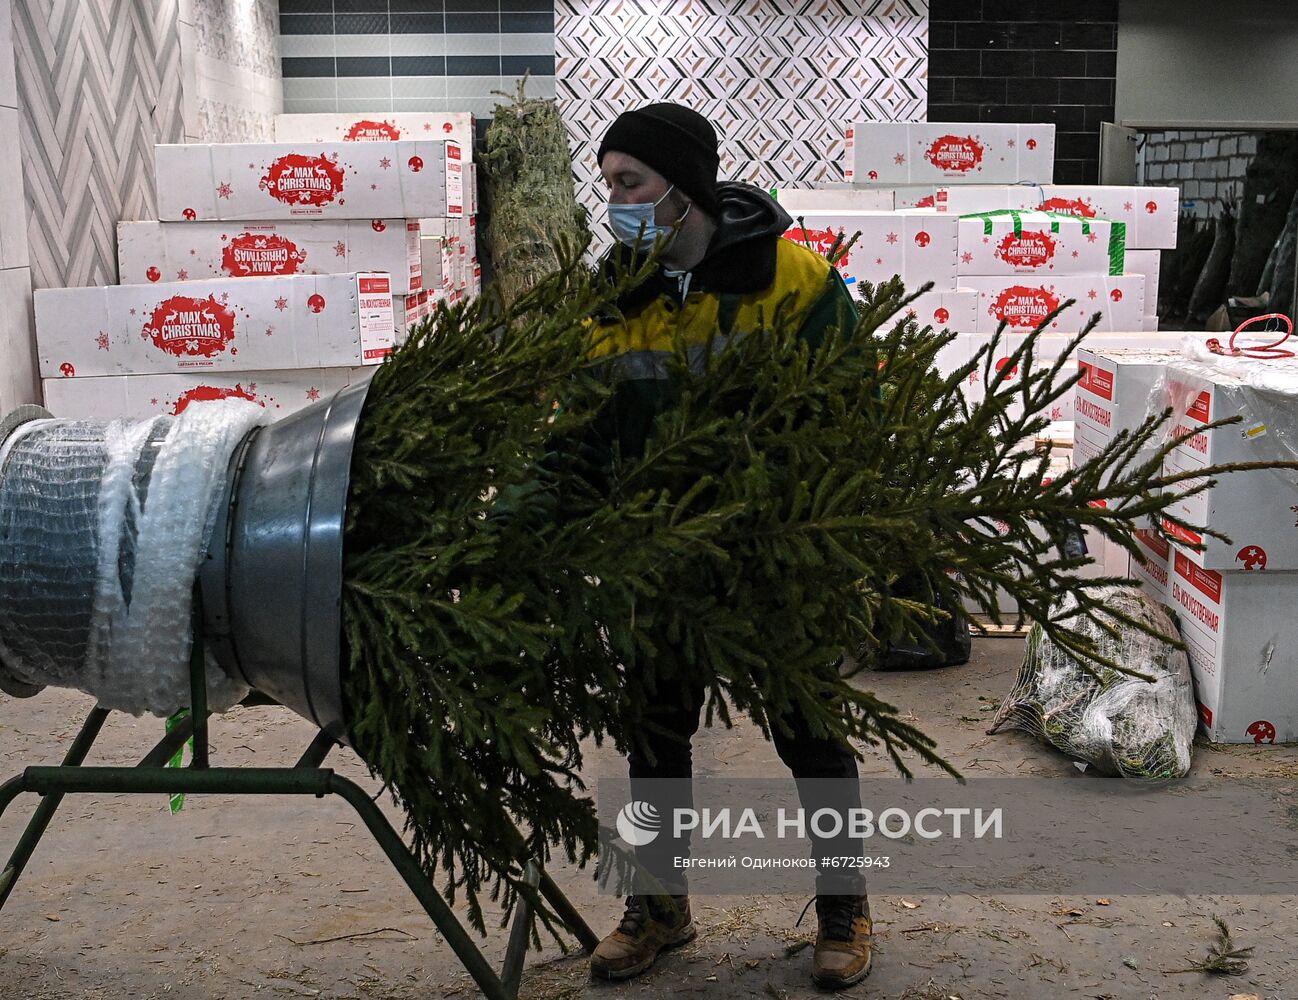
[(272, 580)]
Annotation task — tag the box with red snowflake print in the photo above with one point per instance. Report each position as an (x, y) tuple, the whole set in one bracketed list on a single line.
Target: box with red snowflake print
[(385, 126), (885, 153), (150, 252), (339, 180), (228, 324), (1149, 213), (1024, 301), (1039, 243), (136, 397), (919, 246)]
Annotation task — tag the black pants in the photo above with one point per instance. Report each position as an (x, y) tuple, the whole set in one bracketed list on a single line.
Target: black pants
[(808, 757)]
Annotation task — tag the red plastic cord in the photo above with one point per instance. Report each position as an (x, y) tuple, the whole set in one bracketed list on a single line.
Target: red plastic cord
[(1265, 352)]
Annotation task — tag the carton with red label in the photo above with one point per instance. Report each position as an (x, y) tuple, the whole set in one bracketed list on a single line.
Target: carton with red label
[(137, 397), (338, 180), (1051, 346), (1118, 390), (1039, 244), (152, 252), (1149, 213), (1239, 629), (1153, 571), (919, 246), (228, 324), (1257, 509), (886, 153), (381, 126), (1024, 301)]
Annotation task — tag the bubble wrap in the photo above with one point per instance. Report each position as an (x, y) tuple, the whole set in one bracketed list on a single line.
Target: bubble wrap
[(1121, 725), (102, 531)]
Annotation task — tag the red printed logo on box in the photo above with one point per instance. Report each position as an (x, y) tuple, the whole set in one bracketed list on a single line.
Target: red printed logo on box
[(954, 152), (1182, 534), (251, 255), (1030, 248), (1154, 542), (1200, 408), (368, 131), (375, 285), (212, 393), (1203, 580), (1024, 305), (299, 179), (183, 325), (1079, 207), (1096, 381), (820, 240)]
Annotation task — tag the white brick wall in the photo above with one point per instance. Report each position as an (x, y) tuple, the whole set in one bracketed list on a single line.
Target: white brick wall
[(1209, 167)]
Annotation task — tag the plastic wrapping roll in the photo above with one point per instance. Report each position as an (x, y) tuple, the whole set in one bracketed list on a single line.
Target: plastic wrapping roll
[(102, 531)]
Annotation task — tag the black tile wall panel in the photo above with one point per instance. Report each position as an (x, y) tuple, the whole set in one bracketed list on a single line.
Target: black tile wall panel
[(1028, 60)]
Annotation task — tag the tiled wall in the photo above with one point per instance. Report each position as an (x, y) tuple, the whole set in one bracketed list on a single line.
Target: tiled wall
[(413, 55), (780, 82), (230, 57), (17, 364), (1028, 61)]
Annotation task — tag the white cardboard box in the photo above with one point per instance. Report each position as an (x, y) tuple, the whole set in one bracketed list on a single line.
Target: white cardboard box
[(149, 252), (889, 153), (795, 200), (137, 397), (1023, 302), (1117, 391), (1039, 243), (385, 126), (1150, 213), (1154, 573), (919, 246), (230, 324), (1150, 264), (1257, 509), (1240, 631), (339, 180), (946, 310)]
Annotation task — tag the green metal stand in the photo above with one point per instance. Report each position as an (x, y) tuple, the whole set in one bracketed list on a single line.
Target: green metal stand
[(307, 777)]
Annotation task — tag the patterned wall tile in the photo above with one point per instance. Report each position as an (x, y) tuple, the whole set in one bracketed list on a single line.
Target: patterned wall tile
[(99, 82), (780, 81)]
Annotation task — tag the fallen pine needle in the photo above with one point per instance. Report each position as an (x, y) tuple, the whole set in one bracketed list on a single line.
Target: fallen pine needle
[(1223, 959)]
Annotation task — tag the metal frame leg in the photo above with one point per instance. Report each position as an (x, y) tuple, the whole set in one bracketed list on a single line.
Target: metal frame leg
[(48, 805)]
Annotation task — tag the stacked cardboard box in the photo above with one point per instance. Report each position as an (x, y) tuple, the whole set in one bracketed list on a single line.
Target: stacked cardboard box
[(974, 210), (1234, 600), (451, 246), (277, 272)]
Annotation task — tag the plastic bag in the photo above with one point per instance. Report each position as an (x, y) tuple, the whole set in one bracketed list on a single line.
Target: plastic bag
[(1122, 725)]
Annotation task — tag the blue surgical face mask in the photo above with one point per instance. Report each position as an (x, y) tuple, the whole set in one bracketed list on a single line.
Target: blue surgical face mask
[(634, 224)]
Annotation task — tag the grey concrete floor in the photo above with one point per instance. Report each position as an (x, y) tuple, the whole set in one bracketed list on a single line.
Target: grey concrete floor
[(246, 898)]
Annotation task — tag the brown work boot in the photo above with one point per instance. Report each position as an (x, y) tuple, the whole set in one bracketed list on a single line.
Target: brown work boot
[(650, 925), (843, 942)]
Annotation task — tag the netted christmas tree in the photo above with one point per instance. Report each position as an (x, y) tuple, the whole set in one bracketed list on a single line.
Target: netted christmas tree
[(533, 206), (510, 592)]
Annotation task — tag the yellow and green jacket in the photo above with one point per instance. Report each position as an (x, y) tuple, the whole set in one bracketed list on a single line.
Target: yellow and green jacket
[(748, 272)]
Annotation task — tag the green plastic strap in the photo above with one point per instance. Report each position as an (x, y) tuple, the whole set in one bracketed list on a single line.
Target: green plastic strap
[(989, 219), (1117, 247), (176, 801)]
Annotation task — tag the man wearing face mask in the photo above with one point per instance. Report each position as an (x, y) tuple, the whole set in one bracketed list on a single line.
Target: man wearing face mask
[(723, 266)]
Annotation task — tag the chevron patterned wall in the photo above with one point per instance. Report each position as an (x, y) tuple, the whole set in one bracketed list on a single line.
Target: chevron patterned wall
[(779, 80), (99, 82)]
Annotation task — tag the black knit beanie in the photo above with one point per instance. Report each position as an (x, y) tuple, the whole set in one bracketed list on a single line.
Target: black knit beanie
[(678, 143)]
